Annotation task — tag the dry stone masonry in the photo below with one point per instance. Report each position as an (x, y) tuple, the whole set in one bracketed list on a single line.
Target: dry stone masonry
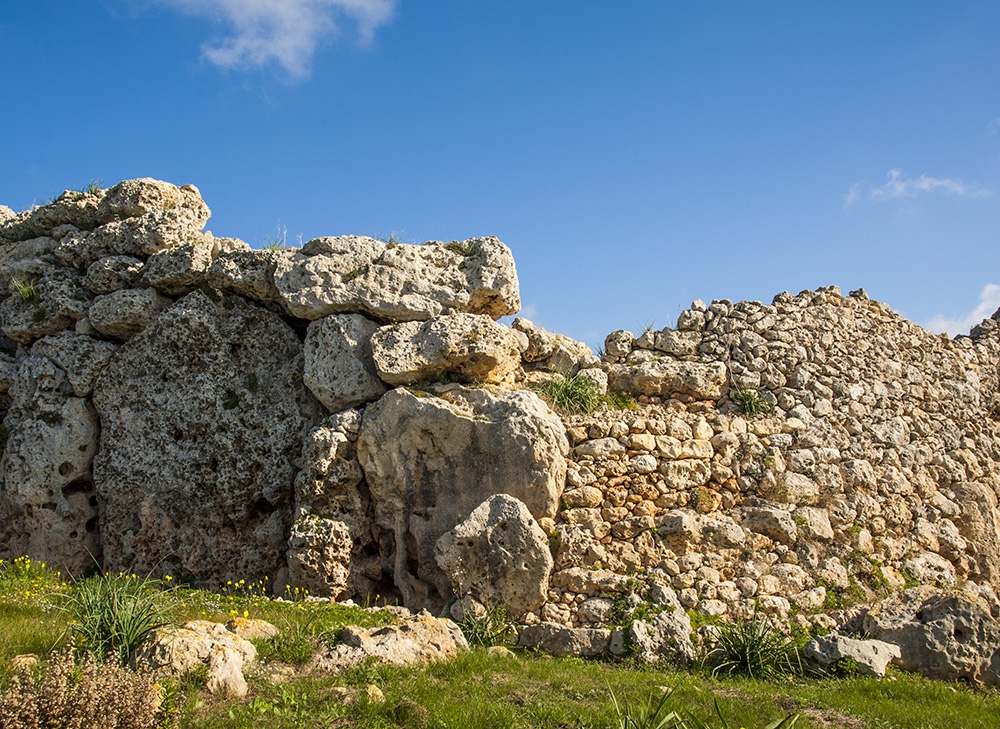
[(353, 418)]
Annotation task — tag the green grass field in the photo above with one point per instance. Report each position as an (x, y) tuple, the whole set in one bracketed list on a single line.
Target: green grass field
[(480, 689)]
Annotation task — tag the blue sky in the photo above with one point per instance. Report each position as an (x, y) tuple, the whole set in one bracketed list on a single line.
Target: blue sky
[(634, 155)]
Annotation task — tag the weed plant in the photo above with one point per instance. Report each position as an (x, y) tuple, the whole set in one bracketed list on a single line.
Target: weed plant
[(572, 394), (751, 402), (88, 694), (753, 648), (491, 627), (24, 289), (113, 614)]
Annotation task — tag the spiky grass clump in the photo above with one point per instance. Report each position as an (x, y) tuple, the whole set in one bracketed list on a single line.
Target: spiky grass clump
[(113, 614), (489, 628), (572, 394), (751, 402), (24, 289), (754, 648), (653, 714)]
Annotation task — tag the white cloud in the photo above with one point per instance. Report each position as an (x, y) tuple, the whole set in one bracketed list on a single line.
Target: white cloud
[(989, 302), (286, 32), (900, 186)]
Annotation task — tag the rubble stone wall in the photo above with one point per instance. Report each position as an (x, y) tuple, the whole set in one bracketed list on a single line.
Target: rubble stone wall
[(329, 416)]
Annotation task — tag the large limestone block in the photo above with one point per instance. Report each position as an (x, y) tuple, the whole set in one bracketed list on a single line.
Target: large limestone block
[(81, 358), (319, 555), (499, 556), (177, 651), (472, 346), (562, 641), (55, 300), (183, 268), (123, 314), (25, 260), (945, 635), (203, 415), (430, 461), (354, 274), (418, 640), (47, 502), (338, 362), (249, 273), (871, 657), (112, 274), (138, 218), (702, 381), (979, 524), (79, 209)]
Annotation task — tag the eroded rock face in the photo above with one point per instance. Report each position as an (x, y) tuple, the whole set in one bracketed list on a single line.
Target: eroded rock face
[(338, 362), (670, 378), (471, 346), (355, 274), (418, 640), (47, 503), (203, 416), (430, 461), (499, 556), (177, 651), (944, 635)]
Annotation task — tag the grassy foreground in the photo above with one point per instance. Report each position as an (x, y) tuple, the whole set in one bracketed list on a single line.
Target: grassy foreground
[(480, 689)]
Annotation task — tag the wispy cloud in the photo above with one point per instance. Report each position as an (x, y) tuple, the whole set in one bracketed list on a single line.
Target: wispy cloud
[(989, 302), (900, 186), (285, 32)]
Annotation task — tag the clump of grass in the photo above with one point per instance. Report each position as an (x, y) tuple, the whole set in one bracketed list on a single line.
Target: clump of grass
[(751, 402), (653, 714), (617, 400), (92, 188), (90, 694), (491, 627), (24, 289), (277, 242), (295, 644), (113, 614), (753, 648), (462, 248), (25, 581), (572, 394)]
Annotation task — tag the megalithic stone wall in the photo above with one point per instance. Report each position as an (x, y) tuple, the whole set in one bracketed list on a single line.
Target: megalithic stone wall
[(327, 416)]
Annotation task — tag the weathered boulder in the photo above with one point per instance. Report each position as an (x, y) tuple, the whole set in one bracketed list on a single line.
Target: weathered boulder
[(539, 341), (328, 487), (319, 555), (772, 522), (498, 555), (979, 524), (112, 274), (943, 635), (137, 218), (338, 361), (25, 260), (562, 641), (81, 358), (43, 306), (414, 641), (870, 656), (249, 273), (183, 268), (471, 346), (176, 651), (430, 461), (48, 507), (203, 414), (665, 377), (79, 209), (354, 274), (667, 635), (123, 314)]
